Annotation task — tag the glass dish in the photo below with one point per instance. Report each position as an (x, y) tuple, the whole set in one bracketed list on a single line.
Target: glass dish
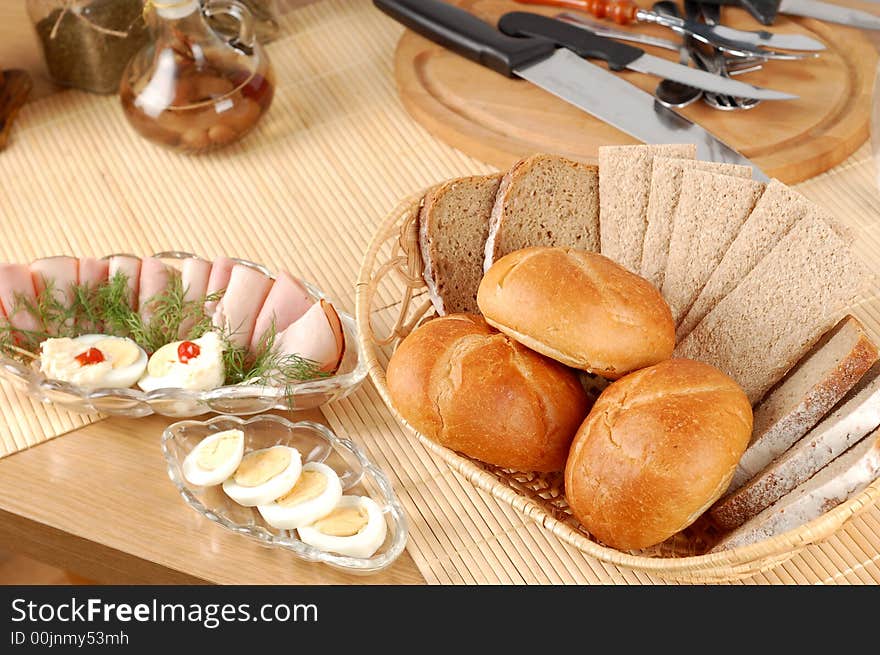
[(240, 400), (316, 443)]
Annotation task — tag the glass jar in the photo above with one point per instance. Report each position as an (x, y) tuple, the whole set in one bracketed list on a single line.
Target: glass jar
[(190, 88), (87, 43), (266, 23)]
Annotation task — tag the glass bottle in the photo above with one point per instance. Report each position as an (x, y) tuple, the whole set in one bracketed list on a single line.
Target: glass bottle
[(87, 43), (266, 21), (190, 89)]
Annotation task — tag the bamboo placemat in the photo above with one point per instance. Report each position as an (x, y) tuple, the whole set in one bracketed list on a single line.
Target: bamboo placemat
[(305, 192)]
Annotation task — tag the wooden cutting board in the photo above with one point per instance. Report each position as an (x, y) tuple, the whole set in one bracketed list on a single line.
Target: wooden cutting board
[(499, 120)]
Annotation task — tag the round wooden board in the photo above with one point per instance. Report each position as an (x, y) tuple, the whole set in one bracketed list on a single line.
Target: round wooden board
[(498, 120)]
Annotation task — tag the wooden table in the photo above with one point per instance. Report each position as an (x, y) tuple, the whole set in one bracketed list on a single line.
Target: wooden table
[(116, 518)]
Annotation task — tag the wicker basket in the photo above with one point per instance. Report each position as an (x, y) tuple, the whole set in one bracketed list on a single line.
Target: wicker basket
[(392, 300)]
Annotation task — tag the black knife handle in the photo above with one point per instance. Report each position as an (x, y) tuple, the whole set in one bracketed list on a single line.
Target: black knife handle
[(763, 10), (466, 34), (577, 39)]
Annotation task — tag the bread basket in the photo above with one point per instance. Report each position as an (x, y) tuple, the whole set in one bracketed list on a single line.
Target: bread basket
[(392, 299)]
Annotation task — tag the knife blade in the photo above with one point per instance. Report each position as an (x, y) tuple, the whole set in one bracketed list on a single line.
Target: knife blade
[(732, 40), (765, 11), (585, 43), (562, 73)]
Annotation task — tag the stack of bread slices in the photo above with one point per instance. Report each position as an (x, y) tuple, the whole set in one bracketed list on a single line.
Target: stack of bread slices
[(759, 280)]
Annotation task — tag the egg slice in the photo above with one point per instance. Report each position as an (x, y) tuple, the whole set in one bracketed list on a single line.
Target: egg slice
[(264, 475), (93, 361), (196, 365), (314, 495), (214, 459), (355, 528)]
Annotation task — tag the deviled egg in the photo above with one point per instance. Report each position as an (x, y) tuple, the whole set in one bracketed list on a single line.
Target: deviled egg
[(314, 495), (355, 528), (214, 459), (264, 475), (93, 361), (196, 365)]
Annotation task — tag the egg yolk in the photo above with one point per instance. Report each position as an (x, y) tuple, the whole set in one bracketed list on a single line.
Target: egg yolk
[(343, 522), (215, 453), (310, 485), (261, 466)]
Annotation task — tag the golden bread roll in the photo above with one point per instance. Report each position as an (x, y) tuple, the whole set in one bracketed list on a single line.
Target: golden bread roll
[(658, 448), (471, 389), (579, 308)]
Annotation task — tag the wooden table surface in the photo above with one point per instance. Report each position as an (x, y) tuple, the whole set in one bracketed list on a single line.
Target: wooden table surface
[(98, 502)]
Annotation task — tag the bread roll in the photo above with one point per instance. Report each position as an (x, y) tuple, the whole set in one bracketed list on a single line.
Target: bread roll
[(579, 308), (471, 389), (658, 448)]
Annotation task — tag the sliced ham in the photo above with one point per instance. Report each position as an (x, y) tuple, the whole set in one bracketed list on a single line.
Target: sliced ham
[(155, 276), (130, 267), (16, 281), (194, 275), (237, 311), (316, 336), (288, 299), (59, 273), (221, 270), (93, 272)]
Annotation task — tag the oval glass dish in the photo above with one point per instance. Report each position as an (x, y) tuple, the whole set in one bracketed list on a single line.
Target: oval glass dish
[(316, 443), (239, 400)]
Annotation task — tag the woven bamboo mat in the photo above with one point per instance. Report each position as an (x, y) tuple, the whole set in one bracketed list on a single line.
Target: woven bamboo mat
[(305, 192)]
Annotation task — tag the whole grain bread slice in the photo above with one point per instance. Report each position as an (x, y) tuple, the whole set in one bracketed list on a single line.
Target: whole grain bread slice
[(666, 178), (853, 418), (792, 297), (624, 186), (711, 210), (838, 481), (775, 214), (453, 226), (545, 200), (819, 380)]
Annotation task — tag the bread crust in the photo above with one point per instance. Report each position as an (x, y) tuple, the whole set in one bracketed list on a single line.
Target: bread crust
[(472, 389), (579, 308), (657, 449)]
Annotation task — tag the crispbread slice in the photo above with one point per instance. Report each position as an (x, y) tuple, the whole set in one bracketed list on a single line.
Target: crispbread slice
[(545, 200), (624, 184), (711, 210), (453, 226), (775, 214), (780, 309), (666, 178)]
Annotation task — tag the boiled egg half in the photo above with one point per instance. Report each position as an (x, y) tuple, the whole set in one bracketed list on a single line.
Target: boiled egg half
[(196, 365), (314, 496), (355, 528), (214, 459), (264, 475), (93, 361)]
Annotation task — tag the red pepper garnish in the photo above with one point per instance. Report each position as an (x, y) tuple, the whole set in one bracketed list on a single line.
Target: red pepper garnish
[(91, 356), (188, 350)]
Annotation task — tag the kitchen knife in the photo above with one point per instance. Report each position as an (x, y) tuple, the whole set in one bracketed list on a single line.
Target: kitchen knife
[(624, 12), (621, 56), (562, 73), (765, 11)]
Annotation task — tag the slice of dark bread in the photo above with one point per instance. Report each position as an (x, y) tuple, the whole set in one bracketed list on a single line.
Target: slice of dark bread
[(545, 200), (453, 226)]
